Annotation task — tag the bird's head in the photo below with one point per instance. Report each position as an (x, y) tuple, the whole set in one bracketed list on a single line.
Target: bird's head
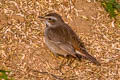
[(52, 19)]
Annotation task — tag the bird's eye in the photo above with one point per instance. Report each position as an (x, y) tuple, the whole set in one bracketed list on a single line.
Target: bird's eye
[(49, 19)]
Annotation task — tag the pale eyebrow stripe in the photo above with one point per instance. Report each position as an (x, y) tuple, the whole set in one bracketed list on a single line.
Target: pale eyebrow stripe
[(51, 17)]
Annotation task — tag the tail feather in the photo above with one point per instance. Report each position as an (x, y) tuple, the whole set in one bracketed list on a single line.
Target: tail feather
[(88, 56)]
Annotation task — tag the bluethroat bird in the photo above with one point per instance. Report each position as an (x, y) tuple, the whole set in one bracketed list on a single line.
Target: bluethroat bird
[(62, 40)]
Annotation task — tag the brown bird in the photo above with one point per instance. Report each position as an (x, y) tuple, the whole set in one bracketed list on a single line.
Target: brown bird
[(62, 40)]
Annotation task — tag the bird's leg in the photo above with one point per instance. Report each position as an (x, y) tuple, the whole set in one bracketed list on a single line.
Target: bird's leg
[(70, 60), (66, 60)]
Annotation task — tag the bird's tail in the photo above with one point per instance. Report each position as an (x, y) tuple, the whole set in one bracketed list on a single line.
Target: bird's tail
[(88, 56)]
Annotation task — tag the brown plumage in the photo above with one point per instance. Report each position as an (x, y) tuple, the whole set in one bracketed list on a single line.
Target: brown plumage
[(62, 40)]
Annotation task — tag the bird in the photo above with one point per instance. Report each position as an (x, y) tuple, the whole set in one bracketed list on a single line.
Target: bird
[(62, 40)]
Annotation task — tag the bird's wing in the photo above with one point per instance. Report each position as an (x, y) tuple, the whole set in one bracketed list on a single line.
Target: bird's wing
[(79, 46)]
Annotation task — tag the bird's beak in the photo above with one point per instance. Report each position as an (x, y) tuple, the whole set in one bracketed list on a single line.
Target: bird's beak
[(41, 17)]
